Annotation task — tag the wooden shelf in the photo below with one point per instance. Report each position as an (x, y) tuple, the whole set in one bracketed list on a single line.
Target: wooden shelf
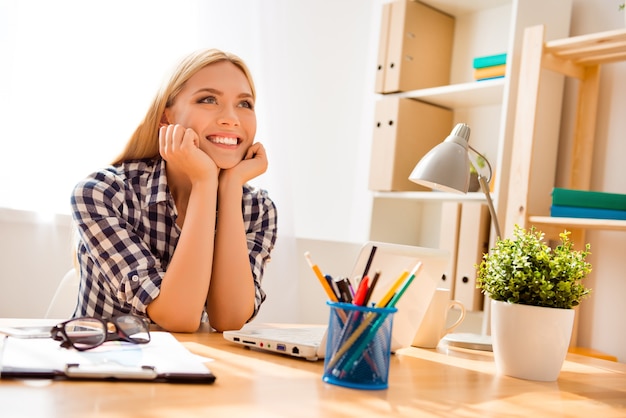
[(433, 196), (457, 96), (584, 223), (457, 8), (592, 49)]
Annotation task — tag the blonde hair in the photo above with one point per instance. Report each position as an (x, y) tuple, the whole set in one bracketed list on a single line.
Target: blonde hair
[(144, 143)]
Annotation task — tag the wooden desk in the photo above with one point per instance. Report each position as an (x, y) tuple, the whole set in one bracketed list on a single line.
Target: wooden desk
[(436, 383)]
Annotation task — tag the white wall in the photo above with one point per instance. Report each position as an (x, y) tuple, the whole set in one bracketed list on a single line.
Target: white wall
[(313, 64), (315, 79), (35, 253)]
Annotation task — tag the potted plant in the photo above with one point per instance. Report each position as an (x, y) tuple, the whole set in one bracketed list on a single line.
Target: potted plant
[(533, 289)]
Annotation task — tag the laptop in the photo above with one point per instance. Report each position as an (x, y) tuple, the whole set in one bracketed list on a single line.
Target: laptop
[(309, 341)]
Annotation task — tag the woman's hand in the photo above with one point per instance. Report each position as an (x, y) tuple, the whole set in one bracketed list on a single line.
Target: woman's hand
[(179, 146), (253, 164)]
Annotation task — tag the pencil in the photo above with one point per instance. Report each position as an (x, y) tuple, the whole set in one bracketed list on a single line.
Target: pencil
[(320, 277), (370, 290), (392, 290), (390, 299)]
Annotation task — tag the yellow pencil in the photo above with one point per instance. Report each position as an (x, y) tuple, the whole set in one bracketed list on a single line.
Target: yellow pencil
[(321, 278), (392, 290)]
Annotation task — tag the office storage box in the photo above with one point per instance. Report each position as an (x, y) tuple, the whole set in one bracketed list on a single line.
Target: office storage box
[(415, 47), (473, 243), (404, 131)]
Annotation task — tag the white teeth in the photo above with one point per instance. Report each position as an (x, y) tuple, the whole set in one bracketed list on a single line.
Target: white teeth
[(223, 140)]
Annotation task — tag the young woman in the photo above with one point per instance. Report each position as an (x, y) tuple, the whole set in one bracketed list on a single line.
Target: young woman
[(172, 229)]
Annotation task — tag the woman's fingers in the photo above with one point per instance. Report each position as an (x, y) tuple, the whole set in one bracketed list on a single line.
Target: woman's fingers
[(175, 138)]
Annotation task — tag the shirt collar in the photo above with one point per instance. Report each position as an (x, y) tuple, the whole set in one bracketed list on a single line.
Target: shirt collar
[(158, 190)]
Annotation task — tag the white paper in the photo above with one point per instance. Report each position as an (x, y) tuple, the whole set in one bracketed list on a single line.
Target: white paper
[(163, 352)]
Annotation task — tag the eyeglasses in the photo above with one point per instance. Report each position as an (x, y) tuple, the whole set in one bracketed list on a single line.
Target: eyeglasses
[(86, 333)]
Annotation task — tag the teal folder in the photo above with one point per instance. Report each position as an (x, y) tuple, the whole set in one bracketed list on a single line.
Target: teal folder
[(588, 199), (489, 60)]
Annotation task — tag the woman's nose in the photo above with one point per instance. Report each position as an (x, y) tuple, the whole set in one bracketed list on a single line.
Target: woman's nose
[(228, 117)]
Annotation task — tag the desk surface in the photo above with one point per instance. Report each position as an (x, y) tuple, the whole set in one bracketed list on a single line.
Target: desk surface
[(447, 382)]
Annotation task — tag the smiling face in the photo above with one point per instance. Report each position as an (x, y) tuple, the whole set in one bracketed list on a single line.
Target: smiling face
[(218, 104)]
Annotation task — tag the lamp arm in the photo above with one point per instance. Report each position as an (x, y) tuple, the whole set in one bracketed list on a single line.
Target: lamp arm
[(485, 189), (494, 218)]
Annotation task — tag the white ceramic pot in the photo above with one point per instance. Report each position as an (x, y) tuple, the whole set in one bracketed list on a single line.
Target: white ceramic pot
[(530, 342)]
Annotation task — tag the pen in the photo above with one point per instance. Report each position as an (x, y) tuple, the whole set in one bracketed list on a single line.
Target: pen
[(344, 290), (350, 342), (361, 292), (320, 277), (370, 290), (350, 287), (369, 262), (333, 286)]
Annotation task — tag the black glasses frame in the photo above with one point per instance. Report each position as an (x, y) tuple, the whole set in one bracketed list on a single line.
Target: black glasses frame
[(118, 333)]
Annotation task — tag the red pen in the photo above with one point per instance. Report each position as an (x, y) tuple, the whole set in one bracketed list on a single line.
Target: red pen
[(359, 297)]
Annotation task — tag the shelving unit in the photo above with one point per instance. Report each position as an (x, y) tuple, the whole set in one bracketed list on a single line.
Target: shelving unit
[(482, 27), (534, 168), (531, 181), (455, 222)]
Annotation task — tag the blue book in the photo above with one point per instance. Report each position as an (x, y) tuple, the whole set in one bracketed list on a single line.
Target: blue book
[(489, 78), (489, 60), (581, 212)]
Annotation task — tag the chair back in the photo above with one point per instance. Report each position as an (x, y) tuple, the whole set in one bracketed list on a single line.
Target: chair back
[(64, 300)]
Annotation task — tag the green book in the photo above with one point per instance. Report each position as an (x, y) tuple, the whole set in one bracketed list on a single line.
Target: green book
[(489, 60), (588, 199)]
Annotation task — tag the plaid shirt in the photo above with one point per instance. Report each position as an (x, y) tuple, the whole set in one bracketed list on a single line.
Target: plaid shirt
[(126, 221)]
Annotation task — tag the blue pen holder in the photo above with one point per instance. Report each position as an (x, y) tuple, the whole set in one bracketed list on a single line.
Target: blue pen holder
[(358, 348)]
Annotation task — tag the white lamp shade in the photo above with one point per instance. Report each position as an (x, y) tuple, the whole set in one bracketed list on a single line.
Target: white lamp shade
[(446, 167)]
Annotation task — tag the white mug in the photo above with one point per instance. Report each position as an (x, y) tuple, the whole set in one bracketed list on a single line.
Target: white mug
[(433, 327)]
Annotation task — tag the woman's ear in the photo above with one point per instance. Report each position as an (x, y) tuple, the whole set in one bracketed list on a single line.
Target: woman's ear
[(164, 121)]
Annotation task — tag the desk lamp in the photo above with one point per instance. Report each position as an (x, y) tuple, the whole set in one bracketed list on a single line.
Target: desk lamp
[(446, 167)]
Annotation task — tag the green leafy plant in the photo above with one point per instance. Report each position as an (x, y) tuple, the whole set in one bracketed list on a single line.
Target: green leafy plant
[(527, 271)]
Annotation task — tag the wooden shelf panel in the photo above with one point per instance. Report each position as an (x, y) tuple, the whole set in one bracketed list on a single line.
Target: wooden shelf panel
[(433, 196), (583, 223), (457, 8), (458, 96), (592, 49)]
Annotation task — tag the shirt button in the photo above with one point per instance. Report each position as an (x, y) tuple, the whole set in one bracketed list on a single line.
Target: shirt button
[(135, 278)]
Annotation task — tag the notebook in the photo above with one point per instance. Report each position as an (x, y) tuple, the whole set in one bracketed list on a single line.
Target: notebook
[(309, 341)]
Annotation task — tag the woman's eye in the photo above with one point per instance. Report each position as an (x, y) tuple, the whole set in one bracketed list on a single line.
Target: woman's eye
[(247, 104), (210, 100)]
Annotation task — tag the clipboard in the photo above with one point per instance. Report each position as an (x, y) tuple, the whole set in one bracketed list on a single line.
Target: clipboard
[(127, 374), (27, 331), (163, 360)]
